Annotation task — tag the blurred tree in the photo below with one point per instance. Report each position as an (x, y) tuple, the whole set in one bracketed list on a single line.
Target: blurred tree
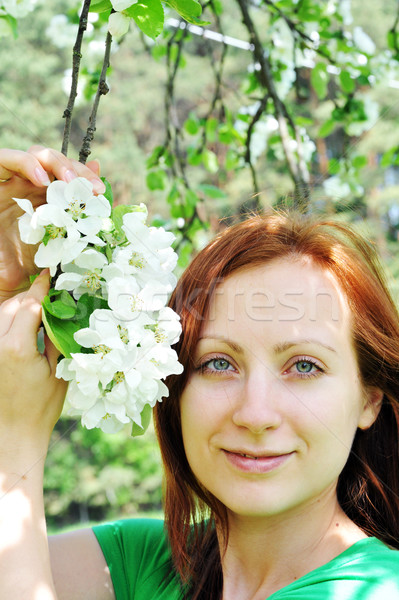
[(266, 103)]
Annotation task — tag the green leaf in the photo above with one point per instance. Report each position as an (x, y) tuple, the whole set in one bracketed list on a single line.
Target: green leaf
[(156, 180), (319, 80), (211, 128), (62, 308), (33, 277), (211, 191), (194, 157), (158, 51), (12, 23), (173, 195), (117, 217), (232, 160), (333, 166), (210, 161), (359, 161), (148, 15), (192, 125), (85, 306), (327, 128), (108, 191), (347, 83), (145, 421), (393, 39), (185, 252), (390, 157), (61, 333), (100, 6), (190, 10), (153, 159)]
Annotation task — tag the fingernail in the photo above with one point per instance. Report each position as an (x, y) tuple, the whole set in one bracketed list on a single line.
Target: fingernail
[(42, 176), (98, 186), (45, 273), (69, 175)]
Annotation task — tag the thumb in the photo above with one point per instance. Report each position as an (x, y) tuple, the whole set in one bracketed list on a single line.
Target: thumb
[(28, 317), (94, 166)]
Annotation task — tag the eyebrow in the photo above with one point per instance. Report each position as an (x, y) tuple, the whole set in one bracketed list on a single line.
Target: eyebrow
[(277, 348), (280, 348), (236, 347)]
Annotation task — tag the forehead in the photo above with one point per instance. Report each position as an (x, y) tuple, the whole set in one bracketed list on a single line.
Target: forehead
[(294, 294)]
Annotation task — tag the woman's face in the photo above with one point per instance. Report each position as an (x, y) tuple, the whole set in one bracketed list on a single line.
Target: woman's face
[(271, 409)]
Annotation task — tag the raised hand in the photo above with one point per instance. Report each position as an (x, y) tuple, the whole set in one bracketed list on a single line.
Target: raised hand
[(30, 396), (27, 175)]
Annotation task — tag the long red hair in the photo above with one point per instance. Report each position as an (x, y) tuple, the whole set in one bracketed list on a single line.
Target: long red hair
[(368, 487)]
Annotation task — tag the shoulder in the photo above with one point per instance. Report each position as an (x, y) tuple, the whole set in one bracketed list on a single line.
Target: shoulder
[(368, 570), (136, 540), (138, 555)]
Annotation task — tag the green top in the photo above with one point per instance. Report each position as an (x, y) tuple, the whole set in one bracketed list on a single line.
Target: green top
[(138, 555)]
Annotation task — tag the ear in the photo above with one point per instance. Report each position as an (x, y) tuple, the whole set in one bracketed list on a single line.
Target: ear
[(373, 397)]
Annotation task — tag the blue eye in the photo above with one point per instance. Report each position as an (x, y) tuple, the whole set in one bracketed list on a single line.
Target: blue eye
[(215, 365), (220, 364), (304, 366)]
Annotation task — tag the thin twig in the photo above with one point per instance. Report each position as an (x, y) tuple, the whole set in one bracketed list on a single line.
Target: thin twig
[(251, 127), (284, 119), (102, 89), (171, 120), (297, 32), (76, 57)]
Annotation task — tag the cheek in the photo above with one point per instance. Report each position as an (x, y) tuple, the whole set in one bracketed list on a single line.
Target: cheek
[(203, 413)]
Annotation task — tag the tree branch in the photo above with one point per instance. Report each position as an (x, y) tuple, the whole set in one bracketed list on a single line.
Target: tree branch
[(248, 157), (283, 117), (76, 57), (102, 89)]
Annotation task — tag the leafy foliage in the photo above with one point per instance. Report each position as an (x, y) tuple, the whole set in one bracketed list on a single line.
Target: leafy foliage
[(277, 103)]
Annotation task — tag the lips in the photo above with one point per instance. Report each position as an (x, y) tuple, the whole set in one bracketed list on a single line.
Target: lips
[(256, 463), (256, 455)]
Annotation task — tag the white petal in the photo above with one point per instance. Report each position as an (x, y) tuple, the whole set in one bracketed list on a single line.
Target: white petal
[(90, 225), (79, 190), (91, 259), (25, 204), (118, 24), (87, 337), (68, 281), (29, 234), (98, 206), (56, 194), (122, 4)]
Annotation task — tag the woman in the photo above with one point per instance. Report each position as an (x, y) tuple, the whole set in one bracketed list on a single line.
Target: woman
[(280, 440)]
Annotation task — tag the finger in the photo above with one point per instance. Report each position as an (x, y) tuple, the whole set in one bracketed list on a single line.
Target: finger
[(8, 310), (64, 168), (51, 353), (28, 317), (94, 166), (16, 162)]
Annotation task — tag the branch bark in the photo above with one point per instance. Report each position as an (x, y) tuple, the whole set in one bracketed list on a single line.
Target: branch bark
[(297, 168), (102, 89), (76, 57)]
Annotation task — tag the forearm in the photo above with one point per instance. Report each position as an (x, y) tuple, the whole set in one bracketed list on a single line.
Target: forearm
[(25, 572)]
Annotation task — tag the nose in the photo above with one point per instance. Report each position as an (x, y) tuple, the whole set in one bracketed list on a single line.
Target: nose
[(258, 407)]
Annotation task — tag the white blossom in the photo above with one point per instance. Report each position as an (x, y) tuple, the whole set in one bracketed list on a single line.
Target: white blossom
[(363, 41), (18, 8), (84, 274), (118, 24), (61, 31), (122, 4), (125, 351)]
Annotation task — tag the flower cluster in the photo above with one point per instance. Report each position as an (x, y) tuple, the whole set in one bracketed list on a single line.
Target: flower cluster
[(107, 312)]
